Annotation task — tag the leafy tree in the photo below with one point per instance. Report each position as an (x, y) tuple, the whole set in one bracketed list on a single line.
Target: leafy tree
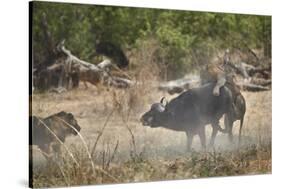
[(185, 38)]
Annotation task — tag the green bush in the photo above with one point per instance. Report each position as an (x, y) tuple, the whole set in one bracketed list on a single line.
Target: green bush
[(186, 39)]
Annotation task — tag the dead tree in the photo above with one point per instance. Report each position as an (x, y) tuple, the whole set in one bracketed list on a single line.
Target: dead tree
[(88, 72), (62, 70)]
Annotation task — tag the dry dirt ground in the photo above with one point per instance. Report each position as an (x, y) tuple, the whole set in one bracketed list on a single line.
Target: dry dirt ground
[(125, 139)]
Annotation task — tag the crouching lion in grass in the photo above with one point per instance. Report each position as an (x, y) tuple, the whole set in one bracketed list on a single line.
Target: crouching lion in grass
[(48, 133)]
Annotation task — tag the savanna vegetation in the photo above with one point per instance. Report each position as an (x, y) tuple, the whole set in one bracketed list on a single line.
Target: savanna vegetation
[(160, 45)]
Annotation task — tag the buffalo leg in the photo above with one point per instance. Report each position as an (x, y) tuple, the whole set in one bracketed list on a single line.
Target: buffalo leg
[(189, 136), (240, 131), (228, 126), (202, 136), (214, 134), (215, 128)]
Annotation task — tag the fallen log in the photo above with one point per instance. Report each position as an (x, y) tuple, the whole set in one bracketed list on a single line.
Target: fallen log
[(243, 69), (71, 59), (64, 70), (120, 82), (179, 85), (261, 81), (106, 64), (89, 72), (252, 87)]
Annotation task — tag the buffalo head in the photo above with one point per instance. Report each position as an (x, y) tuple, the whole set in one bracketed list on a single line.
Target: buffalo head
[(154, 117)]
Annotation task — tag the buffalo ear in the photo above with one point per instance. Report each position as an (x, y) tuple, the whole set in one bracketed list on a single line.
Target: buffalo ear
[(162, 101)]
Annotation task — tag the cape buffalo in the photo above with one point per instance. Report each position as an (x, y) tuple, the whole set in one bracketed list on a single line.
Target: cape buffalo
[(57, 124), (191, 111)]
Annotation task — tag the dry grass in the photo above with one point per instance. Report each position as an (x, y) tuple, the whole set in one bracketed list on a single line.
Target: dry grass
[(122, 150), (193, 165), (114, 147)]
